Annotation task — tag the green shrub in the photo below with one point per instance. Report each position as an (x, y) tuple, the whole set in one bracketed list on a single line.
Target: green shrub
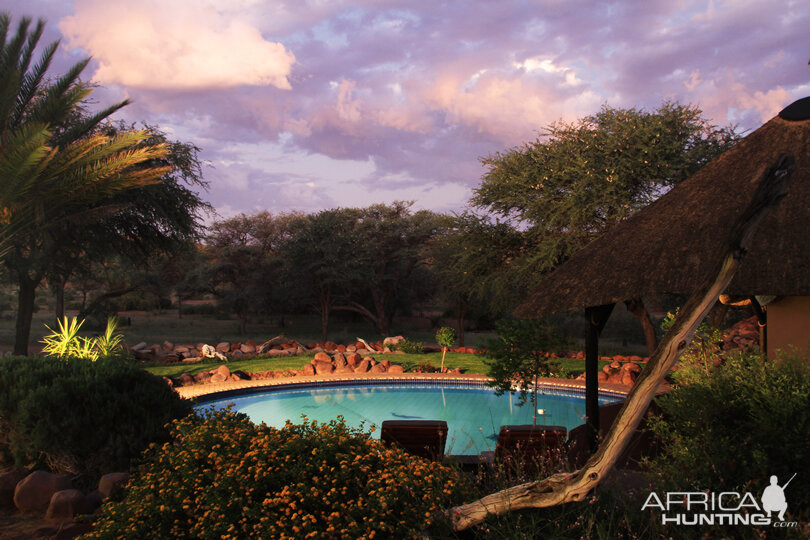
[(225, 477), (81, 417), (410, 347), (734, 428), (67, 343)]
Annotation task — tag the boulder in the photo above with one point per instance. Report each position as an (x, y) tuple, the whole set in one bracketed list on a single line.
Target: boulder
[(454, 371), (339, 360), (9, 479), (635, 359), (222, 370), (185, 379), (601, 376), (330, 346), (240, 375), (351, 348), (218, 378), (202, 377), (309, 369), (322, 357), (363, 366), (378, 368), (223, 347), (396, 368), (248, 349), (386, 363), (140, 346), (629, 378), (324, 368), (111, 482), (344, 369), (34, 492), (68, 503), (167, 345), (353, 359), (181, 349), (341, 348)]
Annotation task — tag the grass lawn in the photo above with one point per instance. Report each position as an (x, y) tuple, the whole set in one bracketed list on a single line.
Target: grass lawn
[(469, 363)]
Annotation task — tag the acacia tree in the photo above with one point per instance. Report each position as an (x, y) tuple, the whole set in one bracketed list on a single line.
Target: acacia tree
[(471, 259), (318, 257), (245, 263), (578, 180), (51, 164), (391, 244)]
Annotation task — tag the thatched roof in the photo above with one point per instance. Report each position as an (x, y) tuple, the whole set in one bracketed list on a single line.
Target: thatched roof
[(671, 245)]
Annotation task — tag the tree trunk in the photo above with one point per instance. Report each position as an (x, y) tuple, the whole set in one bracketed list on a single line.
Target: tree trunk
[(462, 311), (563, 487), (637, 308), (59, 297), (25, 312), (242, 324), (179, 307), (597, 317)]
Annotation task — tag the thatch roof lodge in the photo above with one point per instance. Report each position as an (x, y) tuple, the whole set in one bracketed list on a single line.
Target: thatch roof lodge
[(673, 244)]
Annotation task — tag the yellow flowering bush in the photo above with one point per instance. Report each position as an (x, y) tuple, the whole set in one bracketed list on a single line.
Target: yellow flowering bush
[(224, 477)]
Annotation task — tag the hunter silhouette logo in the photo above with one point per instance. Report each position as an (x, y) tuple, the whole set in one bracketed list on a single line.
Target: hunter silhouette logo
[(773, 498), (724, 508)]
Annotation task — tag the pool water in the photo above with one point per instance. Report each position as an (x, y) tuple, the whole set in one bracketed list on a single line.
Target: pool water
[(474, 414)]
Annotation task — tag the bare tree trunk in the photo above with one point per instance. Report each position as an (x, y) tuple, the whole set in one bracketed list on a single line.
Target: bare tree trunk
[(59, 297), (637, 308), (462, 311), (564, 487), (26, 296)]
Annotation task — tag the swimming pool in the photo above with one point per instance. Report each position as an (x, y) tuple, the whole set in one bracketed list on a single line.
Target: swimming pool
[(474, 414)]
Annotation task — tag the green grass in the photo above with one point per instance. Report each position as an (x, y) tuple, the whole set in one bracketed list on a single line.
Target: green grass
[(469, 363)]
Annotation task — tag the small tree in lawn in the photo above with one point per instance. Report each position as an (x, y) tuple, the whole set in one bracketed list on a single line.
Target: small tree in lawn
[(518, 356), (445, 337)]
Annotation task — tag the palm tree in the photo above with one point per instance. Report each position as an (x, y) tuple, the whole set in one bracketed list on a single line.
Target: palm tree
[(54, 166)]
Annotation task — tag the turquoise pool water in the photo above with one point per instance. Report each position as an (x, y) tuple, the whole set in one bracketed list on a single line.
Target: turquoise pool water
[(474, 414)]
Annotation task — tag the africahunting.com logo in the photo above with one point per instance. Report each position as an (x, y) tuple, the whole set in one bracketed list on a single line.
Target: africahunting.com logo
[(725, 508)]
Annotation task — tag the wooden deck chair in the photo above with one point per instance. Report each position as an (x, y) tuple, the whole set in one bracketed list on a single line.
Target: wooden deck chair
[(423, 438), (529, 446)]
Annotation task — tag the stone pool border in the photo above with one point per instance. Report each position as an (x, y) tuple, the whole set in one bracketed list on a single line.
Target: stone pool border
[(212, 391)]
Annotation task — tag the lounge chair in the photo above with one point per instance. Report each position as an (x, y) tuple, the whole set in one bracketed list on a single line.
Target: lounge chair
[(527, 446), (423, 438)]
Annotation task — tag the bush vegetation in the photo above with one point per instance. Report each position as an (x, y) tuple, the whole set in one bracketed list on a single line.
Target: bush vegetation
[(225, 477), (81, 417)]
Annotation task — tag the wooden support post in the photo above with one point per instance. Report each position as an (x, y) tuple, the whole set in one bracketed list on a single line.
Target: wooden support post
[(597, 317), (566, 487)]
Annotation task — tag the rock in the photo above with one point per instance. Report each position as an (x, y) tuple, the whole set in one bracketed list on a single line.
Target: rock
[(222, 370), (324, 368), (111, 482), (193, 360), (68, 503), (351, 348), (210, 352), (378, 368), (330, 346), (235, 346), (454, 371), (185, 379), (386, 363), (353, 359), (202, 377), (218, 378), (167, 346), (396, 368), (95, 498), (322, 357), (632, 367), (199, 346), (34, 492), (277, 352), (344, 369), (601, 376), (634, 358), (339, 360), (181, 349), (359, 346), (223, 347), (341, 348), (240, 375), (140, 346), (629, 378), (248, 349), (363, 366), (309, 369), (251, 343), (9, 479)]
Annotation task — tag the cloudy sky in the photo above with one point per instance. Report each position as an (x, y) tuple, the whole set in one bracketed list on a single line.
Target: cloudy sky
[(311, 104)]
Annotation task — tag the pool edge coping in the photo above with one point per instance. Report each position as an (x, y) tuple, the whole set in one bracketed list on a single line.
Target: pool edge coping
[(212, 391)]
